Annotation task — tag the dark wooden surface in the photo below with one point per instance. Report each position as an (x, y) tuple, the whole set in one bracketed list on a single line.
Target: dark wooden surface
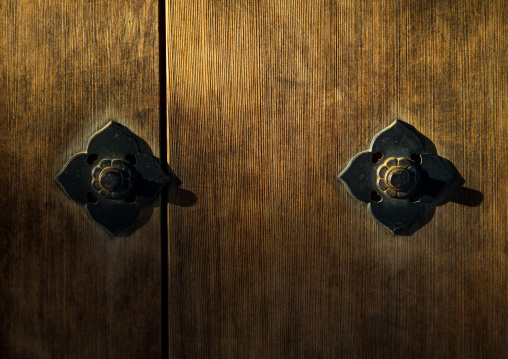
[(267, 103), (269, 256), (68, 290)]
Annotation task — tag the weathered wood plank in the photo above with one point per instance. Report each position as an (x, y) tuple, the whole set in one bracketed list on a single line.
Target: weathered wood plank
[(68, 289), (267, 102)]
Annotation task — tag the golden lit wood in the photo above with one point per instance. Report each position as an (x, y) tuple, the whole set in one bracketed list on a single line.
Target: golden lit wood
[(68, 289), (267, 103)]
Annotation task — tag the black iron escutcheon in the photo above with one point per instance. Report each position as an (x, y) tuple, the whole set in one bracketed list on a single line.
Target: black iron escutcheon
[(113, 179), (397, 178)]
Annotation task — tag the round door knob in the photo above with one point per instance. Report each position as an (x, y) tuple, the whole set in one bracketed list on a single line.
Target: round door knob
[(398, 178), (111, 179)]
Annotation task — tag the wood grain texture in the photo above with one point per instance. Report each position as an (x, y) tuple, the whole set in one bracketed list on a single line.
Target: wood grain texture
[(267, 102), (68, 289)]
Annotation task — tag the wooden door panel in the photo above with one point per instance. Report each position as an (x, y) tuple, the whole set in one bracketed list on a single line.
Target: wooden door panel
[(267, 103), (68, 289)]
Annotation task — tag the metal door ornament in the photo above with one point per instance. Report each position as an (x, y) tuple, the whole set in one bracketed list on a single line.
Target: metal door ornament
[(397, 178), (113, 178)]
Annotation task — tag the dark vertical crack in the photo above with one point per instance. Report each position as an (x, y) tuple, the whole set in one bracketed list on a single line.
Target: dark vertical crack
[(164, 160)]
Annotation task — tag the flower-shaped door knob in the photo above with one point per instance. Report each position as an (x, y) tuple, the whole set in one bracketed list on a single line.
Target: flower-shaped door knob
[(113, 178), (397, 177)]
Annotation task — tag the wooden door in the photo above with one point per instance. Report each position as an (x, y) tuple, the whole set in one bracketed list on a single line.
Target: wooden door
[(67, 288), (267, 102), (259, 251)]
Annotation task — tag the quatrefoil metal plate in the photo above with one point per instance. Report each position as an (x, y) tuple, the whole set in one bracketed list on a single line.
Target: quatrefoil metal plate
[(112, 178), (397, 177)]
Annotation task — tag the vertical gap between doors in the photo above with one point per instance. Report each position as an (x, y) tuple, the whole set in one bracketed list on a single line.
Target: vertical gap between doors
[(164, 160)]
